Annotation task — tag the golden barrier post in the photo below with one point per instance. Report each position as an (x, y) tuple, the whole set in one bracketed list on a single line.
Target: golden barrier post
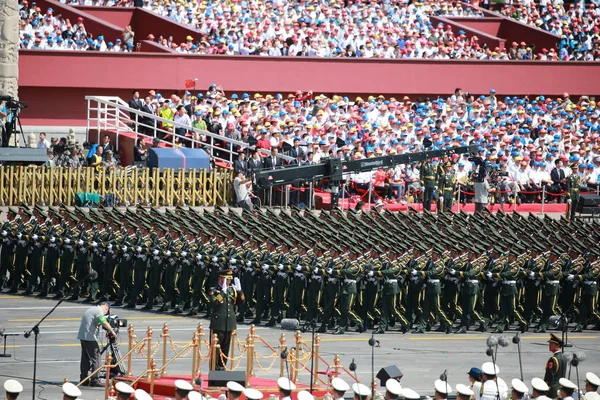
[(298, 337), (112, 392), (131, 339), (315, 356), (149, 345), (151, 372), (249, 358), (282, 347), (107, 380), (232, 347), (194, 356), (200, 336), (164, 335), (214, 347), (336, 367)]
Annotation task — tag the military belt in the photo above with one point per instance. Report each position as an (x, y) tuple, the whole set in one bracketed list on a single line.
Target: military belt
[(433, 281), (299, 275), (509, 282), (474, 281), (334, 280), (392, 281), (590, 282), (449, 188), (282, 274), (429, 177), (553, 282), (317, 277), (349, 280)]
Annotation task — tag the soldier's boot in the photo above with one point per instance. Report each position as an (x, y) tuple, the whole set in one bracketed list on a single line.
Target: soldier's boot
[(118, 302), (541, 329), (339, 331), (59, 295), (148, 306), (192, 312), (361, 328), (240, 318), (482, 327), (271, 322), (130, 305), (322, 328), (578, 328), (498, 329), (523, 327), (379, 331), (441, 328), (177, 310), (256, 321), (164, 307), (462, 329)]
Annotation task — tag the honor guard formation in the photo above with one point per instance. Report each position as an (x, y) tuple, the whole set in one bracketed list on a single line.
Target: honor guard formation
[(332, 271)]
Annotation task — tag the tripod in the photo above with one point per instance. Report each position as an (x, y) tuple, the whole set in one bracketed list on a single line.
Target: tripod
[(14, 126), (36, 331), (113, 346)]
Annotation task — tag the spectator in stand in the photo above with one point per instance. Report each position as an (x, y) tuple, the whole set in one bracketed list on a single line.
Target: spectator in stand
[(139, 151), (43, 143), (106, 145), (95, 161), (109, 161), (182, 118)]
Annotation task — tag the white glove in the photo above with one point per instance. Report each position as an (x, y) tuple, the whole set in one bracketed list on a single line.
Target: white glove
[(80, 242), (570, 277), (248, 263), (441, 198), (265, 267), (35, 237), (569, 201), (198, 256), (215, 259), (370, 273), (488, 274), (280, 267), (452, 271), (531, 274), (155, 252), (299, 268), (236, 284), (168, 253), (67, 240), (110, 246), (19, 235), (183, 253), (124, 248), (52, 239), (94, 244), (316, 270), (138, 249), (329, 270), (233, 260), (4, 233), (413, 272)]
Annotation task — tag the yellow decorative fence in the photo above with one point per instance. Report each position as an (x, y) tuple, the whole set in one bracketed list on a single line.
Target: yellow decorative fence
[(126, 186)]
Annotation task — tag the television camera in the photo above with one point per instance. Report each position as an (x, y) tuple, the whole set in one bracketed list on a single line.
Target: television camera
[(116, 324), (12, 104)]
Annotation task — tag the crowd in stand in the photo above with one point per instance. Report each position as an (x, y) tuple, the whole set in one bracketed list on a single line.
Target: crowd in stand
[(578, 25), (530, 138), (383, 29)]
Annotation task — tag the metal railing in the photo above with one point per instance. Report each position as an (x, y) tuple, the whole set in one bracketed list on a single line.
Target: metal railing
[(113, 114)]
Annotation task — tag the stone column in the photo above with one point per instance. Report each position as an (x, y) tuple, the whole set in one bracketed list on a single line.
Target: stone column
[(9, 47)]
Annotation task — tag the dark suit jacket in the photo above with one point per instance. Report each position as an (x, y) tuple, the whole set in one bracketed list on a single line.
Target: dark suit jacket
[(269, 164), (254, 165), (557, 175), (136, 105), (107, 147), (240, 166)]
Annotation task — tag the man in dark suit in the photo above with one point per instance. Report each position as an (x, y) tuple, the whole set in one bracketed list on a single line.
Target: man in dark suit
[(136, 104), (255, 164), (559, 180), (273, 161), (295, 151), (148, 122), (106, 146), (241, 165)]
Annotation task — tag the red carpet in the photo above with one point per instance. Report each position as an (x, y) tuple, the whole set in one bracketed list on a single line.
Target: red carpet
[(323, 201), (165, 387)]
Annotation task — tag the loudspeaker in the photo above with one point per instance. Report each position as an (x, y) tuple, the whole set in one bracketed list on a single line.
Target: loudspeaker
[(587, 200), (389, 372), (220, 378), (334, 167)]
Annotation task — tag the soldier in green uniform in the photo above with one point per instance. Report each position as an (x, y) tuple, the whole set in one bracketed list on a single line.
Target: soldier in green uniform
[(391, 274), (170, 267), (22, 248), (315, 289), (470, 290), (223, 299), (447, 187), (535, 263), (589, 277), (140, 251), (83, 257), (556, 366), (574, 182), (37, 250), (573, 264), (415, 285), (428, 181), (67, 245), (264, 282), (155, 268), (53, 251), (431, 303), (9, 242), (349, 273), (332, 290), (298, 283), (125, 261), (550, 276), (508, 311)]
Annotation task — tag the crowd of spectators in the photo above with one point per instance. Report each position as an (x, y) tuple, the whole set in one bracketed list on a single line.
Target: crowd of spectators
[(525, 136), (44, 30), (578, 25), (65, 153)]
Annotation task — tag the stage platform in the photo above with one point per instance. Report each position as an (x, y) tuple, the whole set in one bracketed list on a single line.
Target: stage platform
[(165, 387)]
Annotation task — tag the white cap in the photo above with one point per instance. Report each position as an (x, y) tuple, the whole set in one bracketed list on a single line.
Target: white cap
[(489, 368), (122, 387), (305, 395), (442, 387), (183, 385), (235, 387), (252, 394), (141, 394), (539, 385), (71, 390), (285, 384), (464, 390), (13, 386), (339, 384), (543, 398), (410, 394), (195, 396), (592, 378), (519, 386), (393, 386), (592, 396), (564, 382), (360, 389)]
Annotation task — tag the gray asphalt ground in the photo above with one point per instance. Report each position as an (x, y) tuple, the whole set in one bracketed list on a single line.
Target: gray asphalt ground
[(422, 358)]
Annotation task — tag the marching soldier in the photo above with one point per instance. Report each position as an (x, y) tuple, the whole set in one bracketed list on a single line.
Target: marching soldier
[(349, 273), (470, 290), (574, 182), (428, 181), (556, 365), (508, 292), (390, 292), (589, 277), (447, 186), (550, 275), (9, 244)]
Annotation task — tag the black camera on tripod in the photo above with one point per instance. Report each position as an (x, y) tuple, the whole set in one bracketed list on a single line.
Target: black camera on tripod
[(116, 323), (13, 105)]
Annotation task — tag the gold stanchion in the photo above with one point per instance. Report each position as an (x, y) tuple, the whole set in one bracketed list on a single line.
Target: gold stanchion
[(249, 358), (253, 331), (298, 337), (151, 372), (194, 356), (149, 347), (282, 347), (336, 367), (131, 340), (200, 336), (107, 379), (315, 356), (164, 336), (214, 347), (232, 347), (112, 392)]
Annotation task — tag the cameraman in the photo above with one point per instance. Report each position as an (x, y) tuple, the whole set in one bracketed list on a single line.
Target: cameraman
[(88, 335)]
